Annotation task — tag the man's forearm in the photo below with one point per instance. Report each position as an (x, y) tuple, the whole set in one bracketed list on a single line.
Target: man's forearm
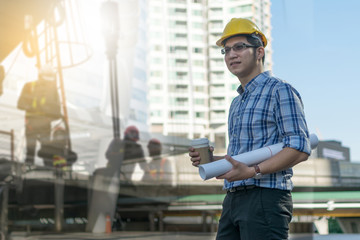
[(286, 158)]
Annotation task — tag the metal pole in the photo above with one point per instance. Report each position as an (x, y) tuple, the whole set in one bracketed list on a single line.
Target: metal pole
[(12, 144), (59, 200), (59, 182), (61, 81), (4, 191)]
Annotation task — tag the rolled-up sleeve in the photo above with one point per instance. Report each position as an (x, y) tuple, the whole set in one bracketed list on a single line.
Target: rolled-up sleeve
[(290, 118)]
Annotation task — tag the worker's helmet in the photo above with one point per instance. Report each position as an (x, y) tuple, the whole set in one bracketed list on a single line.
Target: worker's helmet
[(238, 26), (47, 72), (154, 147), (132, 133)]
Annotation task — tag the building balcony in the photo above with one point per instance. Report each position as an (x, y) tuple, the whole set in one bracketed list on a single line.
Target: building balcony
[(215, 3), (218, 120), (216, 29)]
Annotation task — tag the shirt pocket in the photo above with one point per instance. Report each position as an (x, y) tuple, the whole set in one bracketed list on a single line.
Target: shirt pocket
[(260, 119)]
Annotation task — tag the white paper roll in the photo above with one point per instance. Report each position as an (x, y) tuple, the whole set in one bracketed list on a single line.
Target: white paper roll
[(217, 168)]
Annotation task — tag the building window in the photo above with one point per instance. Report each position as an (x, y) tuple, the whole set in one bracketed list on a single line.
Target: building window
[(157, 47), (156, 86), (157, 60), (200, 115), (179, 114), (177, 1), (199, 76), (181, 101), (197, 25), (178, 36), (178, 88), (181, 62), (199, 101), (197, 37), (155, 74), (156, 9), (181, 75), (197, 50), (155, 35), (240, 9), (198, 63), (217, 76), (218, 115), (215, 11), (178, 24), (178, 75), (177, 49), (199, 88), (197, 12), (156, 99), (156, 113)]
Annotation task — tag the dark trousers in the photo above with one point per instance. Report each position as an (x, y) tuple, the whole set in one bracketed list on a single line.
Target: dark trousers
[(255, 214), (37, 129)]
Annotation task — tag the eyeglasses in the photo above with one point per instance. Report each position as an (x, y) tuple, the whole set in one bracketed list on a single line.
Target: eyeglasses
[(237, 48)]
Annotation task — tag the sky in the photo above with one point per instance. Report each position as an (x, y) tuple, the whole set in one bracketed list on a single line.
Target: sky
[(316, 49)]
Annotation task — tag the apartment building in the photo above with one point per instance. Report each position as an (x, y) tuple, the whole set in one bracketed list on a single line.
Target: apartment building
[(190, 88)]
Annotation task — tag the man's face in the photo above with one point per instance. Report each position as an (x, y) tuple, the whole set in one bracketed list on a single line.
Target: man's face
[(133, 135), (243, 62)]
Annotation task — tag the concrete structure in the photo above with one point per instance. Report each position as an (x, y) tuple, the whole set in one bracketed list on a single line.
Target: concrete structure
[(181, 201), (333, 150), (190, 86)]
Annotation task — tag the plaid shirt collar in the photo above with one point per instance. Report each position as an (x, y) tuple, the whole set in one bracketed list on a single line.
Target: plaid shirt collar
[(251, 86)]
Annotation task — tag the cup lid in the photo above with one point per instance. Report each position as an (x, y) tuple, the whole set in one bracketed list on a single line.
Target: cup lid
[(199, 141)]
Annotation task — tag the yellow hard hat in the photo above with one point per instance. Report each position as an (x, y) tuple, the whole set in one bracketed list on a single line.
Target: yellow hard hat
[(238, 26)]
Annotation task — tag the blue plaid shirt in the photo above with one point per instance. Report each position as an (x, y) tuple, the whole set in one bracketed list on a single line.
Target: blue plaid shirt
[(266, 112)]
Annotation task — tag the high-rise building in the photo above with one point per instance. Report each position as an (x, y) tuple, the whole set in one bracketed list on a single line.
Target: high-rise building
[(190, 88)]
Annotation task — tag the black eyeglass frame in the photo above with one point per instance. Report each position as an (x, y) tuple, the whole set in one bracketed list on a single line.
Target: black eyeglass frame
[(237, 47)]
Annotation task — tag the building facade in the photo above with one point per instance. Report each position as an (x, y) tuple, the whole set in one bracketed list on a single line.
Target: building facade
[(190, 88)]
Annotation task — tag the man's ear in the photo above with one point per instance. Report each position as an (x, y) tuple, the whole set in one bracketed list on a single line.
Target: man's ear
[(260, 52)]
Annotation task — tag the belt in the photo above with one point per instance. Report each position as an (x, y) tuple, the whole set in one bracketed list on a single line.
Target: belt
[(241, 188)]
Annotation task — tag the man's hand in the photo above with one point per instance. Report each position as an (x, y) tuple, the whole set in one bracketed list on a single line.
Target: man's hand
[(239, 171), (195, 158)]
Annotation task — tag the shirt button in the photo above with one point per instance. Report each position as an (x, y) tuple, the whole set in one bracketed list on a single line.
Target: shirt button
[(234, 135)]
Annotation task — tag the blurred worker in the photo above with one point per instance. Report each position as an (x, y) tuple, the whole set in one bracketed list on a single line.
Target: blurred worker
[(40, 100), (133, 152), (267, 110), (159, 168), (124, 154)]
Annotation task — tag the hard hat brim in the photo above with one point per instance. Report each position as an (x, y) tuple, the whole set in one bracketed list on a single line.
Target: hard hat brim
[(221, 40)]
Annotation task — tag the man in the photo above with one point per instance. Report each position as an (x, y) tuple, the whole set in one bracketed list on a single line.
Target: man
[(267, 111)]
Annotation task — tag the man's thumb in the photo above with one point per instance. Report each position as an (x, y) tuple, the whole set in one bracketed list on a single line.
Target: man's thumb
[(230, 159)]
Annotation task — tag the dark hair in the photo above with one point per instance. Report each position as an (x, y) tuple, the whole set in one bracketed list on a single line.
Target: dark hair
[(253, 39)]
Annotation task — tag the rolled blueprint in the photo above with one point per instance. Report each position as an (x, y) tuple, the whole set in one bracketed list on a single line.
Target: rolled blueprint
[(219, 167)]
